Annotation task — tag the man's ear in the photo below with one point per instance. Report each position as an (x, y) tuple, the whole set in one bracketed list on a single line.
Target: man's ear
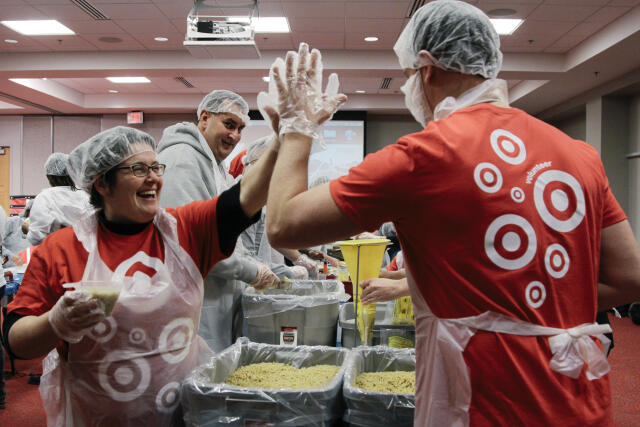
[(101, 186)]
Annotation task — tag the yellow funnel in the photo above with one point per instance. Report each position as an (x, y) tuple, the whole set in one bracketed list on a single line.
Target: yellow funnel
[(364, 259)]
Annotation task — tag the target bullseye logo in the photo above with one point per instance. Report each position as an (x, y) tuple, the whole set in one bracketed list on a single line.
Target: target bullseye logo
[(175, 339), (556, 261), (137, 335), (508, 146), (517, 194), (104, 331), (124, 378), (559, 200), (535, 294), (488, 177), (168, 397), (510, 242)]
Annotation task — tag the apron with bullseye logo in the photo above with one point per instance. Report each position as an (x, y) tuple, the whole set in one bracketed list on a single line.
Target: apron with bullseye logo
[(127, 371)]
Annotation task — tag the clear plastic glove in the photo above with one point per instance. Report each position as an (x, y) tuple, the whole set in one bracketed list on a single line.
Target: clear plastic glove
[(299, 272), (265, 278), (305, 262), (367, 235), (17, 260), (295, 92), (74, 315)]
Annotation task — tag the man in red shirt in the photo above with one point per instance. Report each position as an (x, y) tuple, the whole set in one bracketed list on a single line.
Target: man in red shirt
[(507, 227)]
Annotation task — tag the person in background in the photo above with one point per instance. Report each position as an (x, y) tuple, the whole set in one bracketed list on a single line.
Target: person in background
[(58, 206), (194, 156), (3, 219), (511, 235), (236, 166), (126, 369), (391, 284), (15, 237)]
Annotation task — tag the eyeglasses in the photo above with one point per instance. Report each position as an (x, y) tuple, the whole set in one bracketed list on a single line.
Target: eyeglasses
[(142, 170)]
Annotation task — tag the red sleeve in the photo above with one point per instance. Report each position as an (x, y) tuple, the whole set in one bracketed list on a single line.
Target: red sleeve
[(236, 167), (381, 187), (393, 265), (198, 232)]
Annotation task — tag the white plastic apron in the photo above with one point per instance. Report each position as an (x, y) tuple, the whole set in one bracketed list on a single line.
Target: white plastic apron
[(442, 371), (127, 371)]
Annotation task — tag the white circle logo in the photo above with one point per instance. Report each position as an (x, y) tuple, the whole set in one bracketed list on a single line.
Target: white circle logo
[(508, 147), (559, 200), (168, 397), (535, 293), (556, 261), (137, 335), (510, 242), (488, 177), (122, 377), (175, 339), (517, 194), (104, 331)]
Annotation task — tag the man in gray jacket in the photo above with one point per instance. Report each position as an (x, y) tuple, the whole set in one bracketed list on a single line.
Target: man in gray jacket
[(193, 155)]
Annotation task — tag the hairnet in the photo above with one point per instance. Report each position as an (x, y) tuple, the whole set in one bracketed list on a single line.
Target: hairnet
[(256, 149), (56, 164), (322, 179), (225, 101), (105, 150), (458, 36)]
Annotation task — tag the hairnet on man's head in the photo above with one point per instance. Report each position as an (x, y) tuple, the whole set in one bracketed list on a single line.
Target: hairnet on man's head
[(457, 35), (256, 149), (225, 101), (56, 164), (104, 151)]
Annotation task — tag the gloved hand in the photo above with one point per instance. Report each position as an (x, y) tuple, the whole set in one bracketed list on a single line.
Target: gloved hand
[(295, 90), (305, 262), (265, 278), (17, 260), (299, 272), (73, 316)]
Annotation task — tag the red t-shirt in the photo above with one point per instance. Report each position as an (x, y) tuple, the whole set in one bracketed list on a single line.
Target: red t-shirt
[(61, 258), (496, 210), (236, 167)]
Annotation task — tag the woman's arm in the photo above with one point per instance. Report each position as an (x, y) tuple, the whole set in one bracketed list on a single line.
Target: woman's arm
[(32, 336)]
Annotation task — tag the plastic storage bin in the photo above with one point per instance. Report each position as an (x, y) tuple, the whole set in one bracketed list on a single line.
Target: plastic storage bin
[(208, 401), (366, 408), (384, 321), (304, 314)]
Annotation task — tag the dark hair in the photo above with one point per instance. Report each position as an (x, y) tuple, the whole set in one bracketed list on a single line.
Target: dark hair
[(61, 181), (95, 198)]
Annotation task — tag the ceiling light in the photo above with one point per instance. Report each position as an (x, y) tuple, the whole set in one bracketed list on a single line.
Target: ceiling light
[(371, 39), (38, 27), (361, 91), (128, 79), (506, 26), (10, 41), (266, 79), (113, 91), (161, 39), (44, 78)]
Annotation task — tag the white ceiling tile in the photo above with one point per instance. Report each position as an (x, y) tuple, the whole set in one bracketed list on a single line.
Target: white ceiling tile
[(180, 25), (132, 11), (174, 42), (25, 43), (274, 41), (624, 2), (395, 9), (93, 27), (374, 26), (562, 13), (355, 40), (584, 29), (607, 15), (61, 12), (11, 13), (175, 10), (36, 2), (577, 2), (320, 40), (351, 84), (119, 1), (515, 2), (170, 85), (539, 30), (521, 10), (327, 25), (314, 10), (66, 43), (127, 43), (270, 9), (148, 26)]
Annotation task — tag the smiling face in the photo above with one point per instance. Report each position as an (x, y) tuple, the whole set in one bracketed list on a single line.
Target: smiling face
[(132, 199), (222, 132)]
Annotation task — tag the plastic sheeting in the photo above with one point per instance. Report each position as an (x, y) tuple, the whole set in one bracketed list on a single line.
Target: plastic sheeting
[(208, 401), (364, 406)]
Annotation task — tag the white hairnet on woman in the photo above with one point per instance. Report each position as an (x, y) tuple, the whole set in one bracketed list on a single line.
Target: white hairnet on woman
[(56, 164), (105, 150), (225, 101), (453, 36)]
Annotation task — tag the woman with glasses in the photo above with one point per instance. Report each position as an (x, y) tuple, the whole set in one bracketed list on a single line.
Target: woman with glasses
[(126, 369)]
